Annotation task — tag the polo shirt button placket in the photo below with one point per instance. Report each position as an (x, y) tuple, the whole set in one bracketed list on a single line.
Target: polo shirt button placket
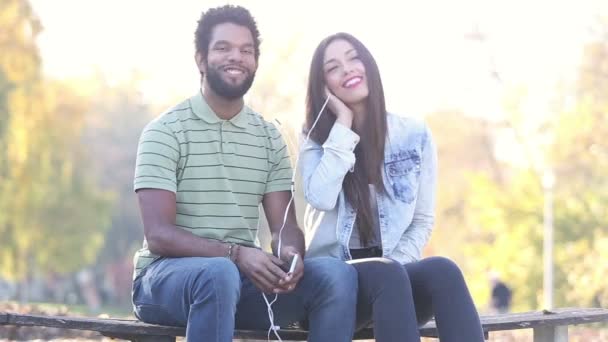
[(222, 136)]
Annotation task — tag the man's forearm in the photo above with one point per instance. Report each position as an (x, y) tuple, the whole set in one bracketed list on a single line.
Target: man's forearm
[(292, 236), (176, 242)]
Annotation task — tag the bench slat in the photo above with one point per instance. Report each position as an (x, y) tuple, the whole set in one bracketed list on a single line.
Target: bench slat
[(526, 320), (118, 326), (126, 327)]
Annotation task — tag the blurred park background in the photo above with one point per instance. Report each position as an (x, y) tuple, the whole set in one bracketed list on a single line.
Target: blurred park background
[(516, 94)]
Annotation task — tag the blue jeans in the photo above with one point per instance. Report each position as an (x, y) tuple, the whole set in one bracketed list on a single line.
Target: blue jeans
[(211, 297)]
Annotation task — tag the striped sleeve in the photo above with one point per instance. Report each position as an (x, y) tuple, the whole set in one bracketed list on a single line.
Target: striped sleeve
[(157, 157), (279, 177)]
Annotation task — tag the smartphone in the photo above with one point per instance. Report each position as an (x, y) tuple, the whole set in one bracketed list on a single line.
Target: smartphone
[(294, 261), (291, 266)]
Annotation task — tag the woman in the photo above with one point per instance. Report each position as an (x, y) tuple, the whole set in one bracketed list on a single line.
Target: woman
[(369, 178)]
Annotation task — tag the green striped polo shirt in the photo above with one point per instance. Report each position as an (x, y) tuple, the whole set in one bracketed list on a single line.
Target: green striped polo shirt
[(218, 169)]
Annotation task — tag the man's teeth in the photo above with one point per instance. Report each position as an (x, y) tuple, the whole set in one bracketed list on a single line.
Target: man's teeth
[(234, 71)]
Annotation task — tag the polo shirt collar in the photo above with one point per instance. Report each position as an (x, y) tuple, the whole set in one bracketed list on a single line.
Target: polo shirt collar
[(201, 108)]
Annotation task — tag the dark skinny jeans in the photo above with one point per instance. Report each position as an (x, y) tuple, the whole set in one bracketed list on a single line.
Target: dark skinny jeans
[(400, 298)]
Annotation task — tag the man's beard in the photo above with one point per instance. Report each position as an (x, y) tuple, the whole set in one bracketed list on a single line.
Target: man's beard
[(226, 90)]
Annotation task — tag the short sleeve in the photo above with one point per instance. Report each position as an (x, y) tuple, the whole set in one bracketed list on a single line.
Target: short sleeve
[(280, 175), (157, 158)]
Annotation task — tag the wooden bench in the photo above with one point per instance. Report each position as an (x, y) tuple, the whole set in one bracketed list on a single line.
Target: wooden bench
[(548, 326)]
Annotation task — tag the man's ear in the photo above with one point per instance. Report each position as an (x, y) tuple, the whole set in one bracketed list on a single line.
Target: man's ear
[(200, 62)]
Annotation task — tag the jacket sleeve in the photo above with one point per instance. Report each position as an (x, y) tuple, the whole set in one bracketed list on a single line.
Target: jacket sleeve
[(323, 168)]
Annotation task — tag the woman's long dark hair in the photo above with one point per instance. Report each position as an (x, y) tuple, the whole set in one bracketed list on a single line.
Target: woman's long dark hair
[(370, 150)]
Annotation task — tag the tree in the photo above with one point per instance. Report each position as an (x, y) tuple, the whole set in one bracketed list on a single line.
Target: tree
[(506, 218), (112, 127), (51, 212)]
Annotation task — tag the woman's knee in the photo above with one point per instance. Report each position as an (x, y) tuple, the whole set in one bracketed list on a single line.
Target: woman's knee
[(444, 269), (384, 269), (380, 277)]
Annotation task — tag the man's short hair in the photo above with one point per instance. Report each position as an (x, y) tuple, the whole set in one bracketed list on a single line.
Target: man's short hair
[(225, 14)]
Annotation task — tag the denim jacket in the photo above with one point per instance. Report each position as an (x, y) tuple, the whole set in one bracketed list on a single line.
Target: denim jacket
[(405, 211)]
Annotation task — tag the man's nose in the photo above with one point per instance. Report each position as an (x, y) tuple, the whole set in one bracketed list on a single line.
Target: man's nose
[(235, 55)]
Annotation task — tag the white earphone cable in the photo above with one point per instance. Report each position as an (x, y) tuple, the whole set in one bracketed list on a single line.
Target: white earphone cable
[(273, 327)]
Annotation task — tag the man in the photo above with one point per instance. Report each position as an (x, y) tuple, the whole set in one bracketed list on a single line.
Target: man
[(501, 294), (202, 169)]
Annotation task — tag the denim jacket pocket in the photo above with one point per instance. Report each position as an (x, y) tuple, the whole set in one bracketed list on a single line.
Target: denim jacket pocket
[(403, 172)]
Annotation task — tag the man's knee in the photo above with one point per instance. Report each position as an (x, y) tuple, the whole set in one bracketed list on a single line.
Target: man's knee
[(337, 278), (219, 275)]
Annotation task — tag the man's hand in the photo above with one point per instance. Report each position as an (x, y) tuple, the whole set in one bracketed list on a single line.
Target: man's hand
[(291, 237), (289, 282), (262, 268)]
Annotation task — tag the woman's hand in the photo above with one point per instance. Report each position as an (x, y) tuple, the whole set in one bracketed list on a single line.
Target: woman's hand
[(344, 115)]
